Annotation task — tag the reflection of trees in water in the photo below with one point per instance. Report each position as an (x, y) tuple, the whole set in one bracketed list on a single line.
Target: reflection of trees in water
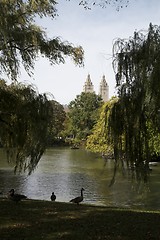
[(89, 173)]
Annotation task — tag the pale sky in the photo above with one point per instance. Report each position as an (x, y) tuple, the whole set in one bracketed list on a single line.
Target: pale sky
[(95, 30)]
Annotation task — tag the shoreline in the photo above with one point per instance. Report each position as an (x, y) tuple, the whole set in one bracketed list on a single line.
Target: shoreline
[(41, 219)]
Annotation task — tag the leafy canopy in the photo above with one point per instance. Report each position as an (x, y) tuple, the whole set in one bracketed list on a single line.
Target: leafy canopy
[(57, 123), (134, 119), (25, 117), (99, 141), (83, 114), (22, 41)]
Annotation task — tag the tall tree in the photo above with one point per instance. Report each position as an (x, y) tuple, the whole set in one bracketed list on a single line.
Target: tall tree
[(57, 123), (22, 41), (83, 114), (99, 140), (134, 119), (25, 117), (25, 114)]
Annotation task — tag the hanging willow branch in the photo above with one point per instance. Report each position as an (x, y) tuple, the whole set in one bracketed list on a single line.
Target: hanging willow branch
[(25, 117), (134, 118)]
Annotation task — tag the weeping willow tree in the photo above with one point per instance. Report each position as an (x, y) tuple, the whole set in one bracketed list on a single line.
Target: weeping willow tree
[(25, 114), (25, 117), (99, 140), (134, 121)]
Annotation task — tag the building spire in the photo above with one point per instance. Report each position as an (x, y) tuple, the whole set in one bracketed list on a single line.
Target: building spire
[(88, 86), (104, 89)]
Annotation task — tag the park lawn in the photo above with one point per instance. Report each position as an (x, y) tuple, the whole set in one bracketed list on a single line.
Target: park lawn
[(36, 220)]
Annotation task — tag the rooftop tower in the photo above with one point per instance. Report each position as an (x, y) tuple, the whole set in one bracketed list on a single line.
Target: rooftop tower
[(88, 86), (104, 89)]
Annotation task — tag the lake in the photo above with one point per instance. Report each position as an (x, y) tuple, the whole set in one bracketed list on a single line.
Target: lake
[(65, 171)]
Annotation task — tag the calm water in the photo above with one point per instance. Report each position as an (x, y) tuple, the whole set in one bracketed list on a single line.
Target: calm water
[(65, 171)]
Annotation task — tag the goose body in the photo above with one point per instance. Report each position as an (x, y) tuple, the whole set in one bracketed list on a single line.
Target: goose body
[(53, 197), (15, 197), (78, 199)]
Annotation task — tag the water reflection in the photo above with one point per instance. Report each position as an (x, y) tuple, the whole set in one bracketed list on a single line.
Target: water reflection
[(65, 172)]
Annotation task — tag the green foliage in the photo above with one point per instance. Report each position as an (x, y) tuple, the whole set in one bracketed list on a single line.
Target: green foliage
[(25, 117), (134, 119), (99, 141), (83, 114), (22, 41), (87, 4), (57, 123)]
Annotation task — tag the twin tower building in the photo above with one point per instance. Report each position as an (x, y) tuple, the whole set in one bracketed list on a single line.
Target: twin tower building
[(103, 87)]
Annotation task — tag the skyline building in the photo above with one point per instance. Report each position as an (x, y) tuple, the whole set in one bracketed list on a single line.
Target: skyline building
[(103, 87)]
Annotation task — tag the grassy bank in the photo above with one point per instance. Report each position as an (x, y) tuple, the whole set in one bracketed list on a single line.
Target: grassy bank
[(35, 220)]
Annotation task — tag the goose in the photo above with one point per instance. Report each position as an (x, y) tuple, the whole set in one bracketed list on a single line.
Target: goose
[(15, 197), (53, 197), (78, 199)]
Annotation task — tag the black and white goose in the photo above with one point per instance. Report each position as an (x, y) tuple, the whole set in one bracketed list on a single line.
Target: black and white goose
[(78, 199), (15, 197), (53, 197)]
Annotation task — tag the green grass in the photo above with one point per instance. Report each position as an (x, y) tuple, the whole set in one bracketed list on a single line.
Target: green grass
[(36, 220)]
